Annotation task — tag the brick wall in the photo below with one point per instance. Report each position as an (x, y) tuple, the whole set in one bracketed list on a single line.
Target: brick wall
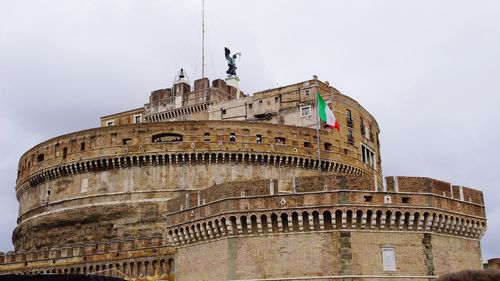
[(455, 254), (307, 254)]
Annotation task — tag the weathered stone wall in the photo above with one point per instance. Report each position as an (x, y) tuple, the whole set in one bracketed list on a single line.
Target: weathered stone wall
[(366, 248), (326, 253), (140, 167), (455, 254), (494, 263), (127, 201), (306, 254), (209, 262), (123, 118)]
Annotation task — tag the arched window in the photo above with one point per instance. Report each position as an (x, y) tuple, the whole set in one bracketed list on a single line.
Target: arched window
[(274, 223), (327, 219), (284, 222)]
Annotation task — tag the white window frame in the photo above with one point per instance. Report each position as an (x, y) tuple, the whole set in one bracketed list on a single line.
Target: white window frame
[(388, 258), (110, 123), (140, 118), (370, 158), (304, 107)]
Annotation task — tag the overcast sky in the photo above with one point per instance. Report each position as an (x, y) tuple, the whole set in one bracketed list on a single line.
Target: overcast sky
[(427, 70)]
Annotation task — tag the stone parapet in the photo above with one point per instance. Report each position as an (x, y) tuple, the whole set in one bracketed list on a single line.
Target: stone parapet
[(146, 256), (429, 185)]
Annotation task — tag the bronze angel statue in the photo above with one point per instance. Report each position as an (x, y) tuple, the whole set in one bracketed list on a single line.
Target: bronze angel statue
[(231, 61)]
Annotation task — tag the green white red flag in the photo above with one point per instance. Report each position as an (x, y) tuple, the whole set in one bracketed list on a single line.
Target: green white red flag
[(326, 114)]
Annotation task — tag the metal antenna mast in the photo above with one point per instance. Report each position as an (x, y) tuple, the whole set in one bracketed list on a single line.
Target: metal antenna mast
[(203, 39)]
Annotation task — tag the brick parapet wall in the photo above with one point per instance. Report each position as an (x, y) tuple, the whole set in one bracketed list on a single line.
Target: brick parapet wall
[(429, 185), (266, 187), (331, 190), (494, 263)]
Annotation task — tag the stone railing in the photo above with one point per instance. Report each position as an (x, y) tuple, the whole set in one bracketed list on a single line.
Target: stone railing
[(277, 214)]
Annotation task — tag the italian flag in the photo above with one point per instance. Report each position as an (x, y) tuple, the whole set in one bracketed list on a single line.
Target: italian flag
[(326, 114)]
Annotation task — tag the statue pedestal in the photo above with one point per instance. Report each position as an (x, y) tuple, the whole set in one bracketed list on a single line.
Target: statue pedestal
[(233, 81)]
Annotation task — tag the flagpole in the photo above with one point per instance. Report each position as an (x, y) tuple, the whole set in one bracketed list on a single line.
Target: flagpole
[(318, 123)]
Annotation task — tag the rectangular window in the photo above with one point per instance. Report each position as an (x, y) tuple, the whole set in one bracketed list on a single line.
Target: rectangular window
[(276, 99), (388, 259), (367, 155), (258, 138), (137, 119), (110, 123), (223, 111), (350, 137), (348, 117), (65, 152), (206, 137), (82, 146), (126, 141), (328, 146), (305, 111), (250, 106), (307, 93), (280, 140), (362, 125)]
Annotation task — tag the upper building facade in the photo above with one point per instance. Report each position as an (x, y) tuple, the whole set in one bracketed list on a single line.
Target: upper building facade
[(293, 105)]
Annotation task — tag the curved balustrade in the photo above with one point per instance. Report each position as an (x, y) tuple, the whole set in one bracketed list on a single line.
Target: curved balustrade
[(325, 219)]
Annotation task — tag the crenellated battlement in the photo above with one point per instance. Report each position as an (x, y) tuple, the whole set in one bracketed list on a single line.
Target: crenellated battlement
[(429, 185), (360, 190), (79, 250), (130, 256)]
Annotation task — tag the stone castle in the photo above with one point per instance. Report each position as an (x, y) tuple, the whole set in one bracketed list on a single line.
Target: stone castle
[(207, 183)]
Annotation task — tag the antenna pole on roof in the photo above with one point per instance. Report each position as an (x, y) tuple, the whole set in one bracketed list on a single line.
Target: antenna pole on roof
[(203, 39)]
